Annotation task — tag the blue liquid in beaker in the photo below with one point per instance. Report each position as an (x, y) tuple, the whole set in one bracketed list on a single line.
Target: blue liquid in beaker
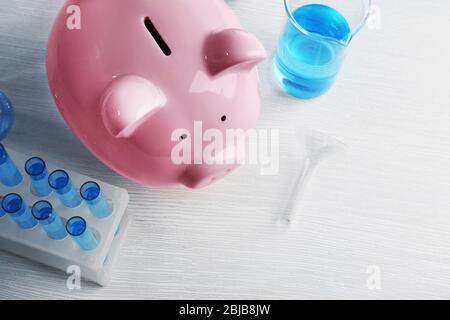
[(307, 63)]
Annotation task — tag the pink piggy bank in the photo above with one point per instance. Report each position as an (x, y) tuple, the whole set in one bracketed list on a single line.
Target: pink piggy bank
[(129, 75)]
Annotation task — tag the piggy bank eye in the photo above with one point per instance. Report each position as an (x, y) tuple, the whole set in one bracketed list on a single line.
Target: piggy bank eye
[(224, 118)]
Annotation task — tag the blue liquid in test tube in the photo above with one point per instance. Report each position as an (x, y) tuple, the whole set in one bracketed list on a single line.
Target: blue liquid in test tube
[(37, 171), (92, 194), (6, 116), (2, 212), (82, 234), (9, 175), (60, 182), (18, 210), (50, 221)]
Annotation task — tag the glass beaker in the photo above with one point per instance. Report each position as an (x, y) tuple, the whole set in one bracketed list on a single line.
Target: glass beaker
[(314, 42)]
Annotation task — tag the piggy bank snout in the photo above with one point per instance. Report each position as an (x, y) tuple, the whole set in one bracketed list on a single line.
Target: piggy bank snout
[(215, 167), (199, 176)]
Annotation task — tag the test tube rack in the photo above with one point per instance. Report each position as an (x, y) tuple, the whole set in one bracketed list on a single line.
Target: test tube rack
[(34, 244)]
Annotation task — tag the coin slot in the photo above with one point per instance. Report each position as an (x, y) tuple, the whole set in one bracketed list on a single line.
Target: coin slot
[(157, 36)]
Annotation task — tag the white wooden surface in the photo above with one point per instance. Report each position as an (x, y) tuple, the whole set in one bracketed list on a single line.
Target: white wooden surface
[(386, 203)]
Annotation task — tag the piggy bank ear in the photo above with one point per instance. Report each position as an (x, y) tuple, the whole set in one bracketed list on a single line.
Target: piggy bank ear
[(128, 102), (232, 48)]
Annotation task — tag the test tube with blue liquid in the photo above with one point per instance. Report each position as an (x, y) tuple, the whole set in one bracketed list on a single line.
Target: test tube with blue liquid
[(7, 116), (314, 43), (82, 234), (96, 201), (60, 181), (50, 221), (37, 171), (18, 210), (9, 174), (2, 212)]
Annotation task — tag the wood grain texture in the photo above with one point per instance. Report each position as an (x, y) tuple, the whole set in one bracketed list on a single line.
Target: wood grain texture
[(385, 203)]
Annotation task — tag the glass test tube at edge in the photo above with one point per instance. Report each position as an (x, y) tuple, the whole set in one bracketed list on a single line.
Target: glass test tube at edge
[(2, 212), (60, 181), (7, 118), (50, 221), (9, 174)]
